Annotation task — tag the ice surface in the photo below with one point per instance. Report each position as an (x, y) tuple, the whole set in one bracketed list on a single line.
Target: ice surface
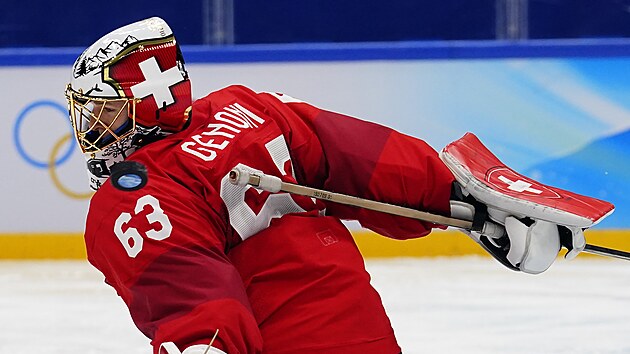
[(447, 305), (475, 305)]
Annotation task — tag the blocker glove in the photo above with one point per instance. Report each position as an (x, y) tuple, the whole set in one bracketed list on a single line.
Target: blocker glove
[(519, 221), (520, 243)]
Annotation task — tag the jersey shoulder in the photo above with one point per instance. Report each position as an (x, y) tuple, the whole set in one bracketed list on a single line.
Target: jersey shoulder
[(220, 98)]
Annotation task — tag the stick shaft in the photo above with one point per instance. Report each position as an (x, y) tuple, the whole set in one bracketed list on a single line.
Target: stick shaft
[(366, 204), (255, 181), (609, 252)]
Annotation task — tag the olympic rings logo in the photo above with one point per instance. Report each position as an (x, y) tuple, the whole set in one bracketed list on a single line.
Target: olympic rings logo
[(56, 157)]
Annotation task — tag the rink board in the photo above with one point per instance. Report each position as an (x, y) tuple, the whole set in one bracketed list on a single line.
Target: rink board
[(556, 111), (438, 244)]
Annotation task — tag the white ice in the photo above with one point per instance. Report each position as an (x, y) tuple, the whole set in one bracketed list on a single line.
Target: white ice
[(448, 305)]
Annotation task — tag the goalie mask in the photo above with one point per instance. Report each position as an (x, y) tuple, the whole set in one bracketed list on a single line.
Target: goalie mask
[(128, 89)]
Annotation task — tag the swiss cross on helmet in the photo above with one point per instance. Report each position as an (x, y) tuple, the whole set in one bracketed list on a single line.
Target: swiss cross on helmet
[(127, 89), (153, 73)]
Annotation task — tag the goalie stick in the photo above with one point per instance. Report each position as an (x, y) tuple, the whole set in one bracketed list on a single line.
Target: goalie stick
[(274, 184)]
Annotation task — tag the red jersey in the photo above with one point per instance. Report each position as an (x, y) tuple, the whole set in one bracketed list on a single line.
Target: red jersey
[(191, 253)]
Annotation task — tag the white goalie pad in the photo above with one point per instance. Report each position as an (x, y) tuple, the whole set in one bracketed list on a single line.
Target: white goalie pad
[(491, 182), (171, 348)]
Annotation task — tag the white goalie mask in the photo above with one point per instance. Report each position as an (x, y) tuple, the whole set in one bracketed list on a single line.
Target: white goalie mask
[(128, 89)]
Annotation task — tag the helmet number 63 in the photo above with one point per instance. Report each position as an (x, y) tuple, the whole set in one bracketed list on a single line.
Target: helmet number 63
[(130, 238)]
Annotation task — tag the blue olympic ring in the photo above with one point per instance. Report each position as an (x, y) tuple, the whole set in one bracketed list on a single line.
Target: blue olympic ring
[(18, 124)]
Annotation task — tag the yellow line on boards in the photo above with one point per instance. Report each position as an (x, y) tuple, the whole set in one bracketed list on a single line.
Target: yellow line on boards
[(33, 246), (436, 244), (455, 243), (42, 246)]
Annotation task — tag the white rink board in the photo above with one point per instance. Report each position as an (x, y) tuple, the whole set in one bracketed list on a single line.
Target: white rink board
[(516, 106), (347, 87), (453, 305)]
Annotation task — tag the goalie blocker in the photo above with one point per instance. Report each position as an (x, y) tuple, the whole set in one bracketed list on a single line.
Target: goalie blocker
[(537, 219)]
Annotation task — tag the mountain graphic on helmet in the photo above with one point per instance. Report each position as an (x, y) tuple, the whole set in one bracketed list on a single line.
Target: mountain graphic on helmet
[(86, 64), (128, 88)]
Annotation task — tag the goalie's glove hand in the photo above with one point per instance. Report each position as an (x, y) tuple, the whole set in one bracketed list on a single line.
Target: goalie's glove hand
[(530, 246), (519, 243), (530, 212)]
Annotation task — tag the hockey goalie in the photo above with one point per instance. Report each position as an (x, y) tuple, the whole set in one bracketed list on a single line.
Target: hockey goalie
[(207, 266)]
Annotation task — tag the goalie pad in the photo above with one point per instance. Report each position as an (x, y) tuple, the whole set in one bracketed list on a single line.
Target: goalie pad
[(171, 348), (488, 180)]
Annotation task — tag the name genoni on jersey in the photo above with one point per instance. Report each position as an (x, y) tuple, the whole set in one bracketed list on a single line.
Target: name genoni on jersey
[(218, 136)]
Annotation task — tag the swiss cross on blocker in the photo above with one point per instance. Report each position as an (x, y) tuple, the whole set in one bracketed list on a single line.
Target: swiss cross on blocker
[(473, 164), (519, 185), (507, 180), (157, 82)]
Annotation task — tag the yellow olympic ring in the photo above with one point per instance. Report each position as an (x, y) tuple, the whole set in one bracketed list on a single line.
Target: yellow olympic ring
[(53, 172)]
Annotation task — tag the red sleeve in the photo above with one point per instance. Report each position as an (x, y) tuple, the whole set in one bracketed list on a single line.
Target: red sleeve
[(160, 248), (348, 155)]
